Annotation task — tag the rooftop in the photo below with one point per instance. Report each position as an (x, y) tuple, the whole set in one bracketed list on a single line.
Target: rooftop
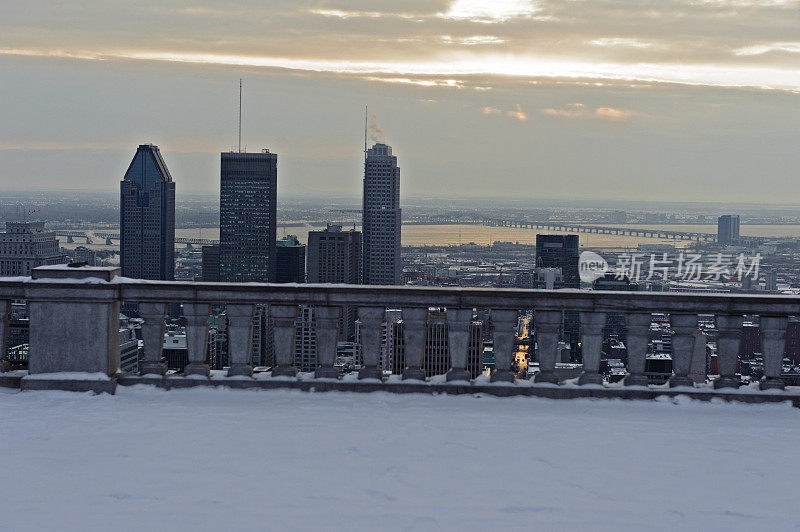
[(214, 458)]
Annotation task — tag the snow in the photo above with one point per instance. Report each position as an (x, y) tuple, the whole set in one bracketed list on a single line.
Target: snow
[(68, 375), (211, 459)]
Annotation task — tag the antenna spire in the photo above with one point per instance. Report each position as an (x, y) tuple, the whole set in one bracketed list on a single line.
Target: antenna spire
[(240, 115), (366, 114)]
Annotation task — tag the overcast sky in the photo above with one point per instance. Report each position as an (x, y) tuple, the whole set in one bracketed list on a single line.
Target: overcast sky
[(620, 99)]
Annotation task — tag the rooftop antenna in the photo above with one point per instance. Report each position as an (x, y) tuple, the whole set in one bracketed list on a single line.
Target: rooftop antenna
[(366, 115), (240, 115)]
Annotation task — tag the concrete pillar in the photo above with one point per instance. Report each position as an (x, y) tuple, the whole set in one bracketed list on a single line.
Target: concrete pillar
[(283, 323), (773, 343), (547, 323), (327, 339), (74, 328), (729, 331), (504, 324), (698, 371), (683, 326), (415, 327), (5, 365), (591, 346), (196, 315), (153, 336), (638, 325), (240, 339), (371, 320), (458, 321)]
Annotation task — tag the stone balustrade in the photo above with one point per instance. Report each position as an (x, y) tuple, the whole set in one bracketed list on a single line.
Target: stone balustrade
[(74, 323)]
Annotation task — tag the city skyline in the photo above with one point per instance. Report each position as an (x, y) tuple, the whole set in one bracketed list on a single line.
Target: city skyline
[(694, 100)]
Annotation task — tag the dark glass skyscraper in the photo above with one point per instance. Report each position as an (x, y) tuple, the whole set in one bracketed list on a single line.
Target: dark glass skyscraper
[(147, 217), (248, 193), (381, 217)]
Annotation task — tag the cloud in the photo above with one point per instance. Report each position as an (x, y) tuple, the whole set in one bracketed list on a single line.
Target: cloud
[(472, 41), (422, 82), (579, 110), (517, 113), (759, 49), (490, 12), (620, 41)]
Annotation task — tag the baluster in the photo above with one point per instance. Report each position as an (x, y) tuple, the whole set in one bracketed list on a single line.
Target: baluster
[(327, 340), (415, 327), (547, 324), (283, 322), (458, 322), (196, 315), (504, 322), (153, 336), (729, 331), (5, 364), (638, 337), (591, 346), (371, 319), (699, 370), (683, 339), (773, 343), (240, 339)]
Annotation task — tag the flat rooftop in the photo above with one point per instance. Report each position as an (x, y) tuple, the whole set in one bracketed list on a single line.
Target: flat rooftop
[(216, 458)]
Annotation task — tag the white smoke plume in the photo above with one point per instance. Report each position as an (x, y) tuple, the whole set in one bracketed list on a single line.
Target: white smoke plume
[(376, 134)]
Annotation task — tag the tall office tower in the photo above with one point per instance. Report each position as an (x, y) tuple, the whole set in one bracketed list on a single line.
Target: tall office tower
[(26, 245), (248, 193), (728, 230), (562, 252), (290, 260), (334, 256), (381, 217), (147, 217)]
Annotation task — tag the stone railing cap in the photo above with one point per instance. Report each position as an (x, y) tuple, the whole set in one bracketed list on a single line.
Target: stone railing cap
[(63, 271)]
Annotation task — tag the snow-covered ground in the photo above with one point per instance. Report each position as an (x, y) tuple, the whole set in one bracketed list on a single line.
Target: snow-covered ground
[(148, 459)]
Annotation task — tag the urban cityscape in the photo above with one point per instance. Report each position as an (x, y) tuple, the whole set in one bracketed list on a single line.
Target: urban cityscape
[(556, 259)]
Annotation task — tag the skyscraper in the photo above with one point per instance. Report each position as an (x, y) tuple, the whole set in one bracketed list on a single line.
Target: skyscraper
[(381, 217), (248, 193), (147, 217), (728, 230), (334, 256)]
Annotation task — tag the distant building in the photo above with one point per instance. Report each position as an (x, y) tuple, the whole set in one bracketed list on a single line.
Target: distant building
[(334, 256), (247, 217), (619, 217), (128, 350), (290, 260), (175, 350), (26, 245), (562, 251), (381, 217), (147, 217), (210, 264), (305, 343), (84, 254), (728, 230), (436, 359)]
